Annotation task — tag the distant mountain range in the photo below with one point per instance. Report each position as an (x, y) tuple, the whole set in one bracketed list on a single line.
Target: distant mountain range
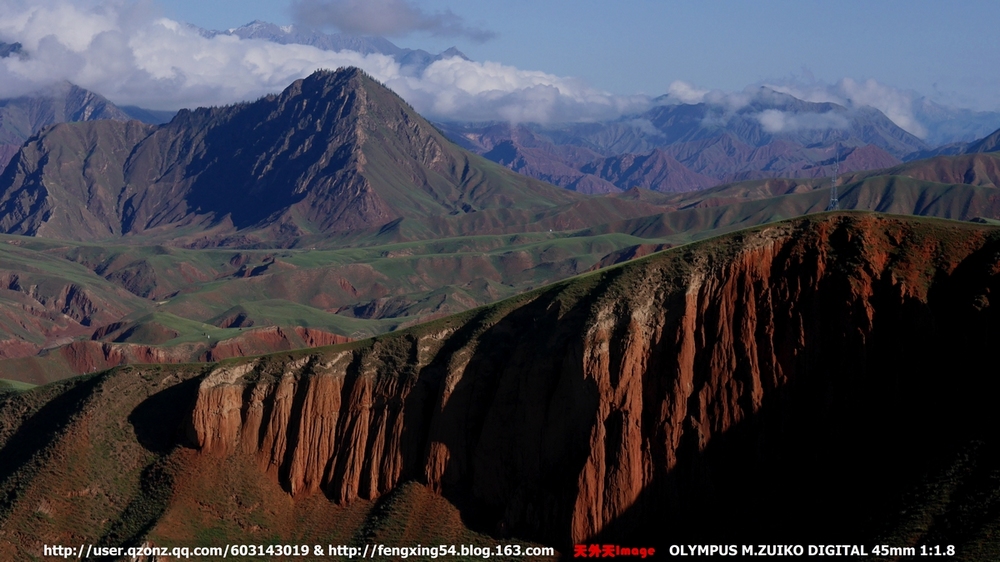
[(23, 116), (948, 125), (339, 156), (944, 124), (8, 49), (989, 143), (680, 147), (671, 147)]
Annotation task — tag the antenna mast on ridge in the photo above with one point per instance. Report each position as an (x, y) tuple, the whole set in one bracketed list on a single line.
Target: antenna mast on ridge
[(834, 202)]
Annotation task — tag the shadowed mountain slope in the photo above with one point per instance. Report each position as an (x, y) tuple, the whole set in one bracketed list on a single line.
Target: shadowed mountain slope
[(989, 143), (655, 170), (69, 180), (813, 381), (22, 117), (333, 154)]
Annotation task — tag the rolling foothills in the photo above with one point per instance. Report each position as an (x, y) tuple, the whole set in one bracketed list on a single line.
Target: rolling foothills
[(643, 348), (333, 208)]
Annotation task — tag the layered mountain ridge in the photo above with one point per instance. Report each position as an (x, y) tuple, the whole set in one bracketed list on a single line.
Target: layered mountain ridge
[(381, 223), (709, 143), (334, 153)]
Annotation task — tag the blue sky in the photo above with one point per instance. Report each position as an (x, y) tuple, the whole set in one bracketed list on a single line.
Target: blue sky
[(948, 51)]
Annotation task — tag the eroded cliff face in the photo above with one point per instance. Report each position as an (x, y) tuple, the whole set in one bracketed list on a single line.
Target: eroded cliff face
[(628, 399)]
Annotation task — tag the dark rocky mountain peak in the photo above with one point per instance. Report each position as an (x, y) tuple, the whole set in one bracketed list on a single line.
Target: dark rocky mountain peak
[(8, 49), (333, 153), (453, 52)]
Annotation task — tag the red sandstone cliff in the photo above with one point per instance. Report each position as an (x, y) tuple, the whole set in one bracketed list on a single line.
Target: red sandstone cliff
[(579, 410)]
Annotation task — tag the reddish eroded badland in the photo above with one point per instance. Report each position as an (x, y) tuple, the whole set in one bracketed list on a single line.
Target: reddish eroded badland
[(573, 409)]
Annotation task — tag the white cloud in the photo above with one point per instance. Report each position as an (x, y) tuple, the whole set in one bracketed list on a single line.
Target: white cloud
[(680, 92), (776, 121), (896, 104), (123, 51), (467, 90), (684, 92), (645, 126)]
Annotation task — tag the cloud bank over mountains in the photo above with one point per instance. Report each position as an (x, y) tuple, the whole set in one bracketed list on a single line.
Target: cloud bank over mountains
[(127, 52), (896, 104)]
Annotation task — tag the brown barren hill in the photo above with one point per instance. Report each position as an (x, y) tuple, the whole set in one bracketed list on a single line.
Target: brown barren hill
[(818, 380), (333, 153)]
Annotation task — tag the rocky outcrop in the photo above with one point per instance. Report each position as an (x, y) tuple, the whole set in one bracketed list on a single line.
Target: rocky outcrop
[(318, 338), (644, 396), (72, 300), (89, 356), (92, 356), (628, 253), (269, 340)]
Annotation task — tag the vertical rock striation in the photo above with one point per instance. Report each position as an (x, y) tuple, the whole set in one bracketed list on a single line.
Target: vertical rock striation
[(632, 397)]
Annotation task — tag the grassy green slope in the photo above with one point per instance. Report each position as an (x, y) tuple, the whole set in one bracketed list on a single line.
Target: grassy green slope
[(369, 287), (17, 386), (505, 234)]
